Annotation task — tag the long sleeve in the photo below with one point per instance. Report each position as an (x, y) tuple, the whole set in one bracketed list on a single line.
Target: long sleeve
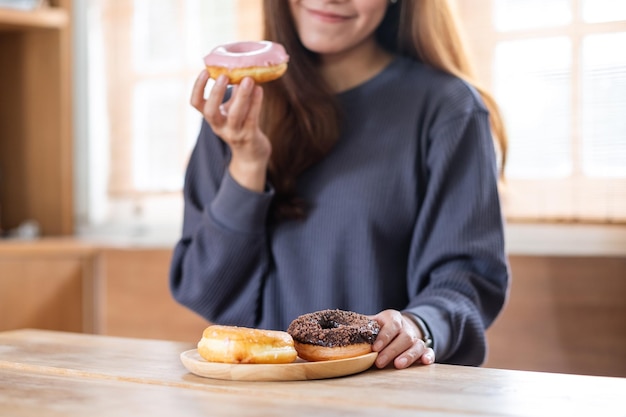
[(222, 253), (403, 214), (457, 267)]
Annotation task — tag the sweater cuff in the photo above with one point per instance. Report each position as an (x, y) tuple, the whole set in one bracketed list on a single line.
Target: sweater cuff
[(427, 336), (240, 209), (438, 326)]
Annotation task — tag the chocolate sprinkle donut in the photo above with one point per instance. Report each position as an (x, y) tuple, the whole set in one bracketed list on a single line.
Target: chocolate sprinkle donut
[(333, 328)]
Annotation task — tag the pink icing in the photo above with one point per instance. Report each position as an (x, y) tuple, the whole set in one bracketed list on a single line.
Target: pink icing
[(247, 54)]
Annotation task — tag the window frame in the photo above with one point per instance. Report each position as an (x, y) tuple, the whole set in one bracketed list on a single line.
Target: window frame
[(111, 203), (136, 209), (570, 199)]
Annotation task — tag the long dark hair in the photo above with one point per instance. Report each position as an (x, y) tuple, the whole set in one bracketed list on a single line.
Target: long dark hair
[(300, 114)]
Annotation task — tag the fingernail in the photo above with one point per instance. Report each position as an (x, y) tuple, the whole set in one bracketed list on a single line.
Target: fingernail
[(247, 82), (377, 346), (381, 360), (222, 80), (402, 362)]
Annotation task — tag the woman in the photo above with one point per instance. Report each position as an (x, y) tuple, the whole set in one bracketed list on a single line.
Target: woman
[(364, 179)]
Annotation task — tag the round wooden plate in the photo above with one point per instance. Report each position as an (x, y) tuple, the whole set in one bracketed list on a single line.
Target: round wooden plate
[(299, 370)]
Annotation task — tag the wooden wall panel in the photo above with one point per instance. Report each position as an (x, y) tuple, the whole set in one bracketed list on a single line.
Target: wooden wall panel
[(46, 285), (135, 300), (564, 314)]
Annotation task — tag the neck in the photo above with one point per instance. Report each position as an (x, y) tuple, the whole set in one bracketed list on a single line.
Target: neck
[(353, 67)]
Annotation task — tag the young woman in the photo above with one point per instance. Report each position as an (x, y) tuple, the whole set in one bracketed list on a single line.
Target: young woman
[(364, 179)]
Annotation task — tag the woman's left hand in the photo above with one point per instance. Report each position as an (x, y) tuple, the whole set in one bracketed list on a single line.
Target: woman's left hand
[(400, 341)]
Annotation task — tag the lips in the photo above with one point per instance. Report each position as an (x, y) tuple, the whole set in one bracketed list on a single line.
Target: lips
[(328, 17)]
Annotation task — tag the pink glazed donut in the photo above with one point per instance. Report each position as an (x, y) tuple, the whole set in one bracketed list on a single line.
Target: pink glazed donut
[(262, 61)]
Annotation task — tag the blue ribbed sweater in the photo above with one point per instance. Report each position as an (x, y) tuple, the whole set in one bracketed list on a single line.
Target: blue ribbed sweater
[(404, 214)]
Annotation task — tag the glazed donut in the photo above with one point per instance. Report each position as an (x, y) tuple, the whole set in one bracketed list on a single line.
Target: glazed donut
[(232, 344), (333, 334), (262, 61)]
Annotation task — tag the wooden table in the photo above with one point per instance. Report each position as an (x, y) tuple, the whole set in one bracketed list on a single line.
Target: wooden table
[(46, 373)]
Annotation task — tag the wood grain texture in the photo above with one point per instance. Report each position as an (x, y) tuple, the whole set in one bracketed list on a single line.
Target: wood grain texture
[(299, 370), (80, 371), (563, 315), (32, 394)]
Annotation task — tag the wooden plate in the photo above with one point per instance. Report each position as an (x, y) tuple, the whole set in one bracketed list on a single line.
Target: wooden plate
[(296, 371)]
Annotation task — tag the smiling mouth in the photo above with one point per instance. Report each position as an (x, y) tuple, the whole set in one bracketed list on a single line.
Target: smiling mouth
[(327, 16)]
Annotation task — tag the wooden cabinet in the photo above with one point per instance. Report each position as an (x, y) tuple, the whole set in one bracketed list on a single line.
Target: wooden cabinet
[(564, 314), (48, 284), (135, 300), (71, 285), (36, 157)]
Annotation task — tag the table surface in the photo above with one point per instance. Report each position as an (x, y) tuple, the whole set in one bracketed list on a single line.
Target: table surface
[(67, 374)]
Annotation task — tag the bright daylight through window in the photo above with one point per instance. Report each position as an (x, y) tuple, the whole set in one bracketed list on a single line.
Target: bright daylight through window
[(143, 56), (560, 76), (557, 67)]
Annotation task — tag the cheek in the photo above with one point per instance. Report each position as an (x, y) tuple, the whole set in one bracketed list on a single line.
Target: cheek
[(373, 12)]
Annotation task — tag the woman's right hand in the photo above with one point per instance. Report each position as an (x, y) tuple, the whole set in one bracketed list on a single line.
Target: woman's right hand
[(236, 122)]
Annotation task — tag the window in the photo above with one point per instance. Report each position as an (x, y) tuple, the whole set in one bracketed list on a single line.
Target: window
[(557, 67), (558, 70), (142, 57)]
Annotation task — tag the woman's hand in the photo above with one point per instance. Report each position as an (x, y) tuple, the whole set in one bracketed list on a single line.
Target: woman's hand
[(236, 122), (400, 341)]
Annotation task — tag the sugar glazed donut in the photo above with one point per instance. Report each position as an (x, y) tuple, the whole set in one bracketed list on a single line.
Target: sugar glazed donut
[(232, 344), (333, 334), (262, 61)]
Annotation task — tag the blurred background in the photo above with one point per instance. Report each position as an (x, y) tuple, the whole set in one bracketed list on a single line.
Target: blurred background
[(96, 130), (557, 67)]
